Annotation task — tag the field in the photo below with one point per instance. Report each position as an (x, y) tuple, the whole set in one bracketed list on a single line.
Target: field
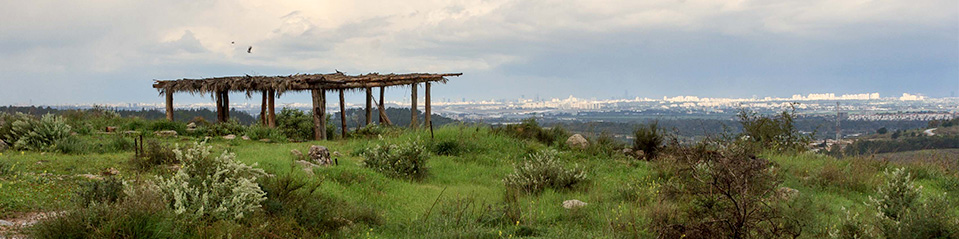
[(463, 194)]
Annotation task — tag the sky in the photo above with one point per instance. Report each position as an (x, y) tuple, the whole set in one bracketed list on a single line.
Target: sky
[(110, 51)]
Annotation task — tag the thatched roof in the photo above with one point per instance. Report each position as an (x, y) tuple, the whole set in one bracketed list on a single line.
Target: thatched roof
[(298, 82)]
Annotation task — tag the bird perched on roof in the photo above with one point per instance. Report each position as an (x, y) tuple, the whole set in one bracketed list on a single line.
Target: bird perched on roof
[(338, 71), (249, 50)]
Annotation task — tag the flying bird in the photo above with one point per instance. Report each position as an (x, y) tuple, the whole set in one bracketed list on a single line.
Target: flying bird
[(232, 42), (249, 50)]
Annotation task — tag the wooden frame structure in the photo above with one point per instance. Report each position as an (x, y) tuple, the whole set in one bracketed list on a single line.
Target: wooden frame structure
[(318, 84)]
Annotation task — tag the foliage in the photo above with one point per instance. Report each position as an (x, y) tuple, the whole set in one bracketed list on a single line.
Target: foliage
[(140, 215), (867, 147), (258, 132), (38, 135), (773, 133), (297, 125), (208, 187), (901, 212), (725, 194), (406, 161), (882, 130), (159, 125), (541, 171), (155, 153), (531, 130), (373, 131), (108, 190), (648, 138)]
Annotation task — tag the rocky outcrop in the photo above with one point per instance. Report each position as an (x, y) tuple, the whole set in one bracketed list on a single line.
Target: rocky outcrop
[(166, 133), (573, 204), (229, 137), (577, 141), (320, 155)]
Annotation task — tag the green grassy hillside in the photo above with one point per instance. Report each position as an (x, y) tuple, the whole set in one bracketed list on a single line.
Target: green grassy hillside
[(463, 194)]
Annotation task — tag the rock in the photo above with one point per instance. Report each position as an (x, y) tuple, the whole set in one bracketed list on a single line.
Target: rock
[(6, 223), (245, 137), (320, 155), (639, 154), (628, 151), (786, 193), (110, 129), (110, 172), (307, 166), (132, 132), (265, 140), (573, 204), (3, 146), (191, 126), (296, 153), (166, 133), (577, 141), (90, 176), (230, 137)]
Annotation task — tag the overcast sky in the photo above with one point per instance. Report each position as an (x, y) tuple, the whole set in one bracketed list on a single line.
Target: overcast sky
[(63, 51)]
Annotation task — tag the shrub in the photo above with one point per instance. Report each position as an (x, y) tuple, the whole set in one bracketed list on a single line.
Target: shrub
[(373, 131), (6, 125), (298, 125), (882, 130), (141, 215), (42, 134), (529, 129), (406, 161), (209, 187), (71, 145), (168, 125), (225, 128), (851, 226), (648, 138), (902, 212), (541, 171), (154, 154), (258, 132), (722, 194), (108, 190), (773, 133)]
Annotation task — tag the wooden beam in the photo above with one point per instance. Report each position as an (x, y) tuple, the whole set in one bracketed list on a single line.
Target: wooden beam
[(381, 104), (169, 105), (263, 117), (427, 120), (319, 114), (271, 97), (413, 123), (369, 106), (342, 115)]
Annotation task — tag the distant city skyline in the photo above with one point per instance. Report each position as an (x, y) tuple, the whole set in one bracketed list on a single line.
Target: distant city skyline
[(62, 52)]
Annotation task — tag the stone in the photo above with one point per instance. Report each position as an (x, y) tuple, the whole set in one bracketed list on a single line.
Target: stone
[(110, 129), (573, 204), (3, 146), (131, 132), (90, 176), (245, 137), (110, 172), (191, 126), (639, 154), (320, 155), (577, 141), (265, 140), (4, 223), (786, 193), (166, 133), (296, 153), (307, 166), (229, 137), (628, 151)]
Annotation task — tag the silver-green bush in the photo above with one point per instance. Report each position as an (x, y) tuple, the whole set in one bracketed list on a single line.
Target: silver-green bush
[(406, 161), (212, 187), (541, 171), (42, 134)]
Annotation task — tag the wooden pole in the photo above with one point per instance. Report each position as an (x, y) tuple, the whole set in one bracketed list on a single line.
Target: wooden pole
[(427, 120), (381, 104), (413, 115), (169, 105), (226, 106), (319, 114), (263, 116), (219, 106), (369, 106), (271, 120), (342, 115)]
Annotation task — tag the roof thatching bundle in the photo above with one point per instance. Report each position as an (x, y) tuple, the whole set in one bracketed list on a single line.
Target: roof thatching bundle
[(250, 84)]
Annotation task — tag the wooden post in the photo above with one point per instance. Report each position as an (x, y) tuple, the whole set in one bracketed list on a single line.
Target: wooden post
[(427, 120), (369, 106), (319, 114), (271, 120), (413, 115), (169, 105), (226, 106), (263, 116), (219, 106), (342, 115), (381, 104)]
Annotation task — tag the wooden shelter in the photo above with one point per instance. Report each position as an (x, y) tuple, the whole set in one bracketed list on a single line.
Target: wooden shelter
[(318, 84)]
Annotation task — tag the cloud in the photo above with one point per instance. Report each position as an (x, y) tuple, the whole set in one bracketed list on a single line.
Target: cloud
[(553, 46)]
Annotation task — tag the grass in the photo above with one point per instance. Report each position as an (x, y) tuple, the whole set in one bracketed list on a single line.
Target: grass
[(464, 195)]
